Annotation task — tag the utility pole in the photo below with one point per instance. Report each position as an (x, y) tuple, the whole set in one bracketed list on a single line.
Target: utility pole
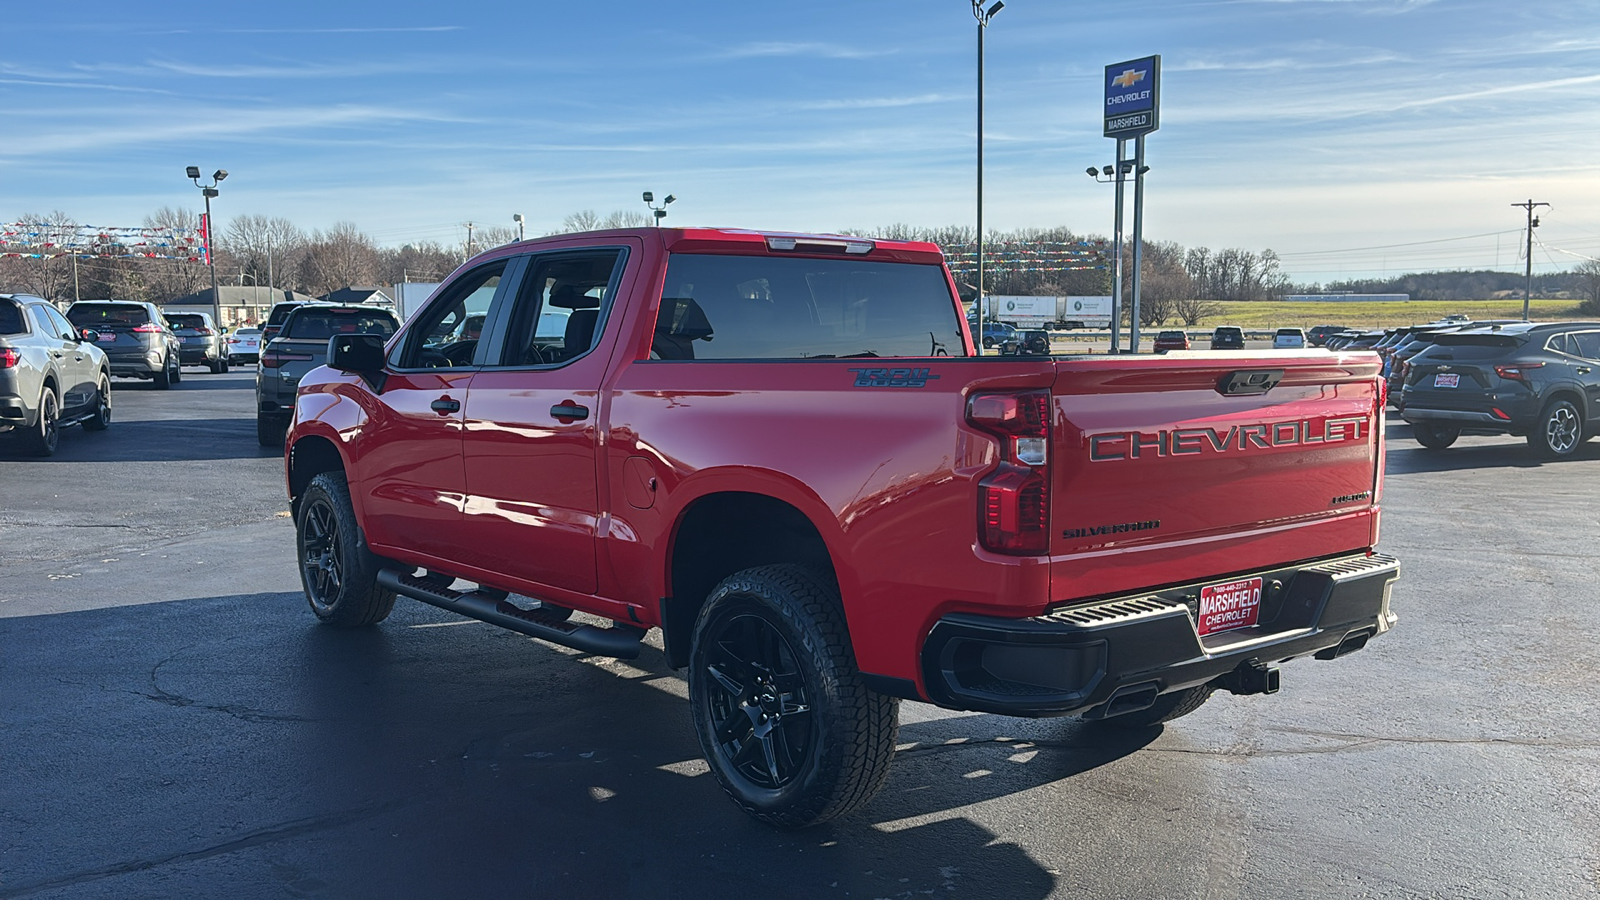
[(1533, 222), (468, 250)]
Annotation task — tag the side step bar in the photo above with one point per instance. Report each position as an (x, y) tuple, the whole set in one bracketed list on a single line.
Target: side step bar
[(621, 641)]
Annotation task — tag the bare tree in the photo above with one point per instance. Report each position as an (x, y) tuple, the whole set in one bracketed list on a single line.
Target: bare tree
[(265, 249), (339, 257), (1588, 273), (424, 262), (583, 220)]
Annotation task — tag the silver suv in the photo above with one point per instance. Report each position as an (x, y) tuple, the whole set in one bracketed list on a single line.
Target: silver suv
[(51, 374)]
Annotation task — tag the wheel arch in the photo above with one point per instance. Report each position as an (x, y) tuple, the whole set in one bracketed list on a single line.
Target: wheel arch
[(1571, 394), (307, 458), (722, 532)]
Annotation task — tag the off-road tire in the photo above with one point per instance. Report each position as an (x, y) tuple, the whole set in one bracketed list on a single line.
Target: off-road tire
[(337, 570), (165, 378), (270, 430), (1559, 431), (100, 420), (1166, 708), (1435, 437), (45, 435), (848, 730)]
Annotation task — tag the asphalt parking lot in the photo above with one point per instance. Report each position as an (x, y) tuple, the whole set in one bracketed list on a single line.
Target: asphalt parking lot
[(173, 722)]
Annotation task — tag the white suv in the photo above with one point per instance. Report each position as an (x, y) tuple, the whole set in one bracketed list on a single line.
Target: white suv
[(1289, 339)]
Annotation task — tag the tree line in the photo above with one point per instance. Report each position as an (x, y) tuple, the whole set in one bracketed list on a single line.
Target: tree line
[(1181, 284)]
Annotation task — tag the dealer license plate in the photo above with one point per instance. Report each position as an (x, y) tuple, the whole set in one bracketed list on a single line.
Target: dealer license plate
[(1230, 605), (1447, 379), (108, 337)]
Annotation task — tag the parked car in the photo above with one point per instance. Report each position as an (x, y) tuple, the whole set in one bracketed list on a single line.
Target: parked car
[(135, 338), (51, 375), (1171, 340), (1227, 337), (1289, 339), (202, 341), (275, 317), (1362, 341), (300, 346), (1319, 334), (1027, 343), (997, 333), (1539, 380), (244, 345), (821, 520)]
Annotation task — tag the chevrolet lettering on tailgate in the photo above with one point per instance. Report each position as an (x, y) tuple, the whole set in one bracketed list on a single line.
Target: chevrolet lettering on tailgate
[(1120, 445)]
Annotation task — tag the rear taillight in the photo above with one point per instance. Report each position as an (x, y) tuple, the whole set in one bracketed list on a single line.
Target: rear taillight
[(273, 359), (147, 328), (1518, 373), (1014, 499), (9, 357), (202, 330)]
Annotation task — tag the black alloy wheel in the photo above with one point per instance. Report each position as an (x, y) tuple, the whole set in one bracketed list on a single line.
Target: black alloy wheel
[(785, 719), (337, 570), (100, 419), (1559, 431), (759, 708), (46, 433)]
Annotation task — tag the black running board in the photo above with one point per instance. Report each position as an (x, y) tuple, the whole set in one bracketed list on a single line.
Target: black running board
[(621, 641)]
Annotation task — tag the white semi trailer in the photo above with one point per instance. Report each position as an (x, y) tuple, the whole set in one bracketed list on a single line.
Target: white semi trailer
[(1050, 312)]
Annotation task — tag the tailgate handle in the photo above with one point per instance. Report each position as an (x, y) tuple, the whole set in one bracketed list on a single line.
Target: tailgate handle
[(1249, 381)]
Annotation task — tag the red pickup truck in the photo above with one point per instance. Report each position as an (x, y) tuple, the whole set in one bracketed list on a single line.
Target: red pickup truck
[(783, 452)]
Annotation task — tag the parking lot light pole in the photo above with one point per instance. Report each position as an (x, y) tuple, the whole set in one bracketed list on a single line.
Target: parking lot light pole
[(660, 212), (208, 191), (983, 16), (517, 218)]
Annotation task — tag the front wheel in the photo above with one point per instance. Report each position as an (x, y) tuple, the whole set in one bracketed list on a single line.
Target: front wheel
[(1435, 437), (337, 570), (791, 731), (100, 419), (1559, 432)]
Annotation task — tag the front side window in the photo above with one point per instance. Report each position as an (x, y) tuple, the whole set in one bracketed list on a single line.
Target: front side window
[(763, 307), (59, 324), (446, 332)]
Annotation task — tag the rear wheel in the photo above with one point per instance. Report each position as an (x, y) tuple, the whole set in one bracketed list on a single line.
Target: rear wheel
[(43, 438), (1559, 431), (337, 570), (100, 420), (1166, 708), (166, 377), (1435, 437), (791, 731), (270, 430)]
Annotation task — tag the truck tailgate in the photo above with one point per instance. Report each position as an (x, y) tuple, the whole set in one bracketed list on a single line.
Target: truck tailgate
[(1209, 463)]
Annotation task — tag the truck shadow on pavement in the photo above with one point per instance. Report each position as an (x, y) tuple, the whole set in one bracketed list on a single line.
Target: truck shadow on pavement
[(432, 756)]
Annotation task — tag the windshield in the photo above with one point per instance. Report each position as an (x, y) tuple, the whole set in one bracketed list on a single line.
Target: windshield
[(764, 307)]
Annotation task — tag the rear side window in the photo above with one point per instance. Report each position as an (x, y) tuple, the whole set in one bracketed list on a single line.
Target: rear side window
[(101, 316), (321, 324), (763, 307), (1587, 342), (11, 319)]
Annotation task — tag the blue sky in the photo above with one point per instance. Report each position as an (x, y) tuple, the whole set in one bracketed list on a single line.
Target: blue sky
[(1306, 126)]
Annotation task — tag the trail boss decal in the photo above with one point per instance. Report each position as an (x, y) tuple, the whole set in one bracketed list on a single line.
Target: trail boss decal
[(1119, 445), (893, 378)]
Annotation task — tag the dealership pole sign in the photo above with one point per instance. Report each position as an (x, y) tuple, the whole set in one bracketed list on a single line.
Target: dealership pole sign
[(1133, 97)]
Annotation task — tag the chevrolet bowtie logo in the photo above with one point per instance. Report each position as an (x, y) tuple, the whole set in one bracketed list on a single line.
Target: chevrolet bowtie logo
[(1129, 78)]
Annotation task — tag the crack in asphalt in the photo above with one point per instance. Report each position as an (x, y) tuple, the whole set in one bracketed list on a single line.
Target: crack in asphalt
[(244, 713), (268, 835), (1352, 742)]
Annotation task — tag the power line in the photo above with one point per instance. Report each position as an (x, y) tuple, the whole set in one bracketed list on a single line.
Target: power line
[(1465, 237)]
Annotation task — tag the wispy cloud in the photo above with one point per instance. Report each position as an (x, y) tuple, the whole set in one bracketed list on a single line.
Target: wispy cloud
[(801, 48), (84, 85), (879, 102)]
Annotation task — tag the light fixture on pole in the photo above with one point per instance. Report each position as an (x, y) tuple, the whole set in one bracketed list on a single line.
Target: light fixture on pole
[(1117, 175), (517, 218), (660, 212), (983, 16), (208, 191)]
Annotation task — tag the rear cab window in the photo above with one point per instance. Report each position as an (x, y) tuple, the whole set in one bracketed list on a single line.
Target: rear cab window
[(765, 307)]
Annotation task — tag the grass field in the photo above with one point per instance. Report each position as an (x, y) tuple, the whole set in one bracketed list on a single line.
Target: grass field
[(1274, 314)]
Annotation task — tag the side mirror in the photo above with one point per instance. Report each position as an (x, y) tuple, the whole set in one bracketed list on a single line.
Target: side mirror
[(88, 335), (360, 354)]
